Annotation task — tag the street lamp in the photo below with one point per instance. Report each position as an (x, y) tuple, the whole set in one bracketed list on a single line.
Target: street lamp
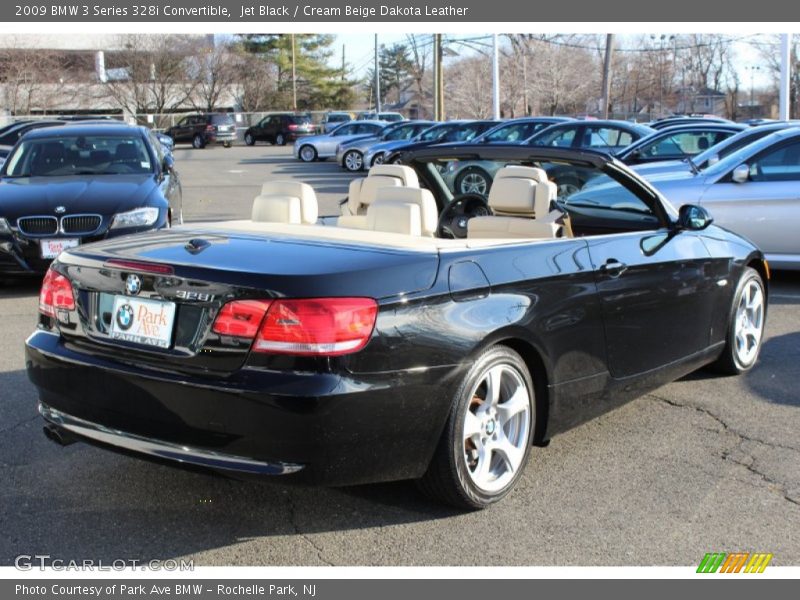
[(752, 69)]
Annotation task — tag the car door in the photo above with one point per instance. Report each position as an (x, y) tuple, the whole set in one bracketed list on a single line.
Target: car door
[(605, 138), (766, 207), (653, 282)]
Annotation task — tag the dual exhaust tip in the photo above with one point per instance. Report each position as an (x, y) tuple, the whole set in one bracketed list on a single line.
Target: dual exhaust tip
[(58, 435)]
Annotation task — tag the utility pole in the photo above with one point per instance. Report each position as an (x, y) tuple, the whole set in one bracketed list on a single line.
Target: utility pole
[(526, 111), (377, 79), (294, 77), (607, 74), (437, 49), (436, 116), (344, 64), (786, 39), (495, 77)]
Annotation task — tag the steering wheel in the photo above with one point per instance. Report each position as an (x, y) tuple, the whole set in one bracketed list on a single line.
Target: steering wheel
[(454, 217)]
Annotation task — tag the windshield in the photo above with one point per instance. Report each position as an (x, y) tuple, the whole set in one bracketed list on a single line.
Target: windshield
[(742, 155), (729, 146), (79, 155)]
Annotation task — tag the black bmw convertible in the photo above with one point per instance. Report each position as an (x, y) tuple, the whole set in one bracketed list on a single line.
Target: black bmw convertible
[(65, 186), (420, 335)]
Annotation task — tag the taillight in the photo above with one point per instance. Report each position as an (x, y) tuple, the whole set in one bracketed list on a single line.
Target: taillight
[(56, 294), (211, 127), (292, 127), (241, 318), (307, 327), (320, 326)]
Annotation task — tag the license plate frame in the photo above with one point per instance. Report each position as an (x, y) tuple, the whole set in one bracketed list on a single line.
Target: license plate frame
[(50, 248), (145, 322)]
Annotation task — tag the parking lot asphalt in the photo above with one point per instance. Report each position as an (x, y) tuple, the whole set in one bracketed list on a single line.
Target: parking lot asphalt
[(705, 464)]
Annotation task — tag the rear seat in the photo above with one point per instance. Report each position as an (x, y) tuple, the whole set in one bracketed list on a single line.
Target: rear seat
[(363, 191), (411, 211), (286, 202)]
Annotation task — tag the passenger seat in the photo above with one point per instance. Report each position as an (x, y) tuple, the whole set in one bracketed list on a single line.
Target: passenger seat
[(520, 198), (286, 202)]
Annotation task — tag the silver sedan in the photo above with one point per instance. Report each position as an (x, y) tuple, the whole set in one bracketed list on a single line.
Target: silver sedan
[(317, 147), (754, 192)]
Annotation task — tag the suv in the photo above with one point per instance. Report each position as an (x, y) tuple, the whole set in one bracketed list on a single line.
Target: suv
[(389, 117), (279, 129), (203, 129), (333, 120)]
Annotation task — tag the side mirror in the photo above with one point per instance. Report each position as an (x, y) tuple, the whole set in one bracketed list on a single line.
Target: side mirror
[(169, 164), (741, 174), (693, 217), (712, 160)]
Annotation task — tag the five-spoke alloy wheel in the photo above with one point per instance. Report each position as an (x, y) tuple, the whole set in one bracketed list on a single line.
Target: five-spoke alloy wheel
[(487, 439), (745, 326)]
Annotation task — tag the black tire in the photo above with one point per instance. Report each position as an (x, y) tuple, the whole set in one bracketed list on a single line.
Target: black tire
[(307, 153), (732, 361), (198, 142), (472, 180), (249, 139), (353, 161), (280, 140), (448, 478)]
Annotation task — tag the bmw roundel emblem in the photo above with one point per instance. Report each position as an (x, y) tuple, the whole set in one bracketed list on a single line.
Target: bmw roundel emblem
[(125, 317), (133, 284), (60, 210)]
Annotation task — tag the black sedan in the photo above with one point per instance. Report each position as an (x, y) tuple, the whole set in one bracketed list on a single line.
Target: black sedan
[(61, 187), (434, 337)]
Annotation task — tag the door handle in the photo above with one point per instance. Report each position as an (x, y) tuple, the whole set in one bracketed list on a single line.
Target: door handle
[(614, 267)]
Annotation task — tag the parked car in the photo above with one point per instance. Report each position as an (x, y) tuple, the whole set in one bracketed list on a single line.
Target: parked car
[(517, 130), (203, 129), (65, 186), (333, 119), (377, 350), (13, 133), (604, 136), (350, 155), (752, 191), (715, 153), (450, 131), (320, 147), (609, 136), (280, 129), (677, 142), (389, 117)]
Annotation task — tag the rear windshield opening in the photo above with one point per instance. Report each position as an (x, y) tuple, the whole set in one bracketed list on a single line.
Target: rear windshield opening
[(299, 120), (221, 119)]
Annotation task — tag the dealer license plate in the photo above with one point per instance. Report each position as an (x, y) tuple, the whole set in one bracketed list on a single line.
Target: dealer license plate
[(52, 248), (141, 321)]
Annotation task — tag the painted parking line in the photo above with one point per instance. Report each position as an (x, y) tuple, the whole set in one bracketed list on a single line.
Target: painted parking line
[(786, 296)]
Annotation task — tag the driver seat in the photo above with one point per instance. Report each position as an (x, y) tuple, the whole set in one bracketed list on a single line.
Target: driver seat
[(520, 198)]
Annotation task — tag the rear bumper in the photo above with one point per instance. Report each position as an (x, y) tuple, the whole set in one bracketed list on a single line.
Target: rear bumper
[(340, 430)]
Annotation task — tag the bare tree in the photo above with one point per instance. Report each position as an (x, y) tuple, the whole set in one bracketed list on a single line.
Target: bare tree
[(152, 74), (215, 71), (421, 52), (32, 79)]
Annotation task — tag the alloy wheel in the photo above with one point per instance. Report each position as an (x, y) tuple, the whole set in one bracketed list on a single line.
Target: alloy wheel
[(307, 153), (496, 428), (353, 160), (473, 183), (749, 323)]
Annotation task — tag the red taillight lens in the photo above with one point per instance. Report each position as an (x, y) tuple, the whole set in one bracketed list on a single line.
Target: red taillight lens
[(241, 318), (308, 327), (56, 293), (292, 127), (211, 127), (320, 326)]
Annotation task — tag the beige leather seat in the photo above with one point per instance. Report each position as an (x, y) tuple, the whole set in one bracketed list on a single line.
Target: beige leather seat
[(520, 198), (411, 211), (362, 191), (286, 202)]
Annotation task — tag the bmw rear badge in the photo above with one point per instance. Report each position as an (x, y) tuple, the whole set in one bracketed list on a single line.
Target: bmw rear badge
[(60, 210), (125, 317), (133, 285)]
